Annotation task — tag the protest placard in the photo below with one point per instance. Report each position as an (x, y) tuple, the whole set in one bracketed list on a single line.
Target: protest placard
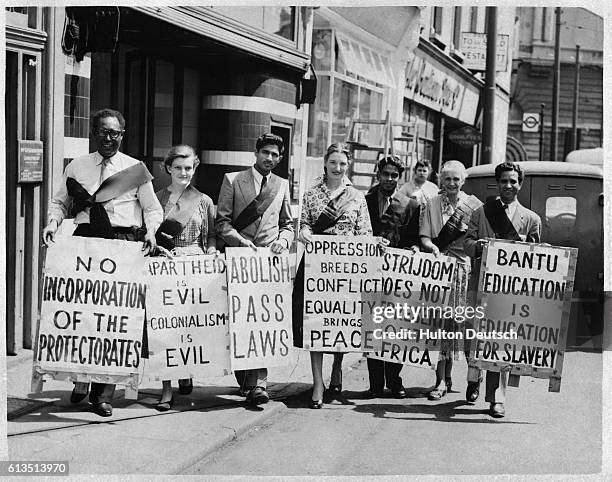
[(259, 292), (187, 316), (410, 309), (526, 291), (92, 313), (337, 270)]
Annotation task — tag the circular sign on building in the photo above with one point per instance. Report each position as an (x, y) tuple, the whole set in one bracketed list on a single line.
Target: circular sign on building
[(466, 136), (531, 122)]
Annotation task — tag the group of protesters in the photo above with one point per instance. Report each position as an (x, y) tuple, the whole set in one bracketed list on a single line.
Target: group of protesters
[(111, 196)]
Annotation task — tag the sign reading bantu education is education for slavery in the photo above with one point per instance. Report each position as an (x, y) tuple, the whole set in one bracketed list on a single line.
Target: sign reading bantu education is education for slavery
[(259, 289), (410, 308), (92, 314), (187, 325), (526, 291), (337, 270)]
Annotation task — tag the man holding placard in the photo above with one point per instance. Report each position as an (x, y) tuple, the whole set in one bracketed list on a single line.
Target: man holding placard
[(254, 211), (395, 217), (108, 192), (502, 217)]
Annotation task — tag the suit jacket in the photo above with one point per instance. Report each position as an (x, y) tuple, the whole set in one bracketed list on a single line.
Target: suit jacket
[(527, 224), (237, 192), (405, 234)]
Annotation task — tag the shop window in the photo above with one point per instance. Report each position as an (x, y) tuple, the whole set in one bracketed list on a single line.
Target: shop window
[(318, 119), (321, 50), (191, 107), (436, 20), (457, 28), (163, 108), (345, 109), (275, 20), (560, 214), (473, 19)]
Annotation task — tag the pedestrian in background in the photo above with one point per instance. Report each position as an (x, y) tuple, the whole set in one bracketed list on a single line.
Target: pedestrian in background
[(419, 187)]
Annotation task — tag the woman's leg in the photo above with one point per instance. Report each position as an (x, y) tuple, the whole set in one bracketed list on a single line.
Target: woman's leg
[(336, 373), (316, 363), (166, 395), (448, 374)]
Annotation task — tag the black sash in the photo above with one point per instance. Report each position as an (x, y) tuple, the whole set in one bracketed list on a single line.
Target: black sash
[(498, 219), (456, 226), (116, 185), (256, 207), (334, 210), (178, 216)]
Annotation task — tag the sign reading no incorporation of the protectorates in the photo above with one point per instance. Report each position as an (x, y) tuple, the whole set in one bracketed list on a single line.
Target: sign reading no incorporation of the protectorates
[(411, 308), (187, 326), (337, 270), (92, 314), (526, 291), (259, 288)]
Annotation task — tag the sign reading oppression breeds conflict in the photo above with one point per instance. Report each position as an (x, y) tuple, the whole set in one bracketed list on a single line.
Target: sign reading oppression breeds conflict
[(93, 301), (526, 292), (187, 326), (337, 270), (410, 308), (259, 293)]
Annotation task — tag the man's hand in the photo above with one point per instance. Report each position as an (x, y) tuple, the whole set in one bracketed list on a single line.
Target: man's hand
[(48, 234), (435, 251), (149, 246), (249, 244), (278, 246), (211, 250), (382, 243)]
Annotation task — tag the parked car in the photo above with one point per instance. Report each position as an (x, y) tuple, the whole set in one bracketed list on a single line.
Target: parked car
[(568, 197)]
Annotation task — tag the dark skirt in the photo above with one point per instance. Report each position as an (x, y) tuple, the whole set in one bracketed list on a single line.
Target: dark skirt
[(297, 306)]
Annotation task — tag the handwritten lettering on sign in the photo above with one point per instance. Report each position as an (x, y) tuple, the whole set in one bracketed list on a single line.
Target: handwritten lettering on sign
[(92, 314), (187, 310), (259, 292)]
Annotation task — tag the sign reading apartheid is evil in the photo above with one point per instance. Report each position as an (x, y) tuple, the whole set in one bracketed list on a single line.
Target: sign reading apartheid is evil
[(337, 270), (410, 308), (526, 291), (187, 329), (259, 290), (92, 314)]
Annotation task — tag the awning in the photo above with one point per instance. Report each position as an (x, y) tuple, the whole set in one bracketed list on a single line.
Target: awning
[(363, 61), (205, 22)]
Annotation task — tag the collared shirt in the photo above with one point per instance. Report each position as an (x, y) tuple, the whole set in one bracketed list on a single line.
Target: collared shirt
[(125, 210), (257, 178), (511, 208), (384, 201)]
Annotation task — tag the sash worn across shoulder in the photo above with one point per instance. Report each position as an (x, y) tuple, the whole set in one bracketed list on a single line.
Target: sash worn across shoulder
[(456, 226), (115, 185), (256, 207), (178, 216), (334, 210), (496, 215)]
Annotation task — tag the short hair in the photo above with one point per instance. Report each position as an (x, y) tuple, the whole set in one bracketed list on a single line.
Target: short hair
[(338, 147), (180, 151), (392, 160), (103, 113), (422, 163), (453, 165), (268, 139), (509, 167)]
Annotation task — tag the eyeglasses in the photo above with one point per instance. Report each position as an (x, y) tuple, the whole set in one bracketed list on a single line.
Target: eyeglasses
[(101, 132)]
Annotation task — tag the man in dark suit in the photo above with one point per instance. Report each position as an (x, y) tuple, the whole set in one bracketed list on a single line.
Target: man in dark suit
[(395, 217), (502, 217), (254, 211)]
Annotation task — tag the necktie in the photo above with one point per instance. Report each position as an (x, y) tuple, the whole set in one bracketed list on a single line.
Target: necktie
[(103, 166), (264, 180), (386, 203), (506, 206)]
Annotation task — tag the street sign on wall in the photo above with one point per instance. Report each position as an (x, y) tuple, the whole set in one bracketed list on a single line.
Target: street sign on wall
[(531, 122), (474, 50), (30, 161)]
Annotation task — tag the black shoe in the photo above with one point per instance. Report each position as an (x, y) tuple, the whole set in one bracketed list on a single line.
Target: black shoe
[(372, 394), (76, 397), (497, 410), (316, 404), (244, 392), (103, 409), (187, 388), (258, 396), (473, 392), (401, 393), (334, 392), (164, 406)]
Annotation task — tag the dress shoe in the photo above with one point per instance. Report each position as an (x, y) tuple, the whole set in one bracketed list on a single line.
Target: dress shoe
[(497, 410), (76, 397), (472, 392), (436, 394), (334, 392), (187, 388), (258, 396), (164, 406), (244, 391), (372, 394), (316, 404), (401, 393), (103, 409)]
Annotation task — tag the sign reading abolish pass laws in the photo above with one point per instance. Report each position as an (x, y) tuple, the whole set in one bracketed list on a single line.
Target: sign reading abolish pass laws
[(337, 270), (410, 308), (259, 294), (526, 290), (187, 325), (93, 301)]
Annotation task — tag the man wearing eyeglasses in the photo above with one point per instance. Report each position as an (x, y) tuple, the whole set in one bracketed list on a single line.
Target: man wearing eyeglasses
[(254, 211), (108, 193)]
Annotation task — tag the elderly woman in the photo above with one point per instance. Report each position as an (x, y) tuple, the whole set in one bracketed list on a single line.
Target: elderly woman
[(188, 227), (333, 207), (442, 230)]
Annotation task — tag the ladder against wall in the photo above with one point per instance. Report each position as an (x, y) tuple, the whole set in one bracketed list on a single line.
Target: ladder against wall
[(374, 139)]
